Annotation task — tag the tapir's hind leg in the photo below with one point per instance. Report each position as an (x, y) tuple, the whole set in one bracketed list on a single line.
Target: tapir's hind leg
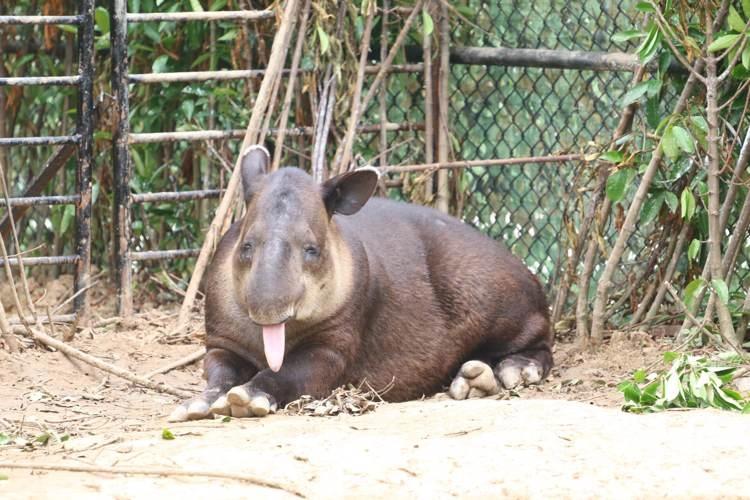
[(525, 359)]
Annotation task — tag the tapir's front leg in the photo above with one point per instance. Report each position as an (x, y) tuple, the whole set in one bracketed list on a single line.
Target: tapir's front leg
[(314, 370), (223, 370)]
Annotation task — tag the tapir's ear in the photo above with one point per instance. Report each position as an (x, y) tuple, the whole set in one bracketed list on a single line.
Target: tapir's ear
[(254, 166), (346, 193)]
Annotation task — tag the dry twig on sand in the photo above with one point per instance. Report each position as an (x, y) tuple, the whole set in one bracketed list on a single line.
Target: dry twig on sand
[(184, 361), (151, 471)]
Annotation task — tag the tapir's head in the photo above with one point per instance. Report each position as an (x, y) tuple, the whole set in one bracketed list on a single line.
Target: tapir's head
[(284, 265)]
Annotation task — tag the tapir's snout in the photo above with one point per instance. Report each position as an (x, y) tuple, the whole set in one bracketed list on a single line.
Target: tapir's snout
[(274, 286)]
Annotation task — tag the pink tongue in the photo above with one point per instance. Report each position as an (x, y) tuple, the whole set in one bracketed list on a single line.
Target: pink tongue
[(273, 344)]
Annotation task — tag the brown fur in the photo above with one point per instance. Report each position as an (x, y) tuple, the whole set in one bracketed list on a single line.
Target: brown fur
[(398, 292)]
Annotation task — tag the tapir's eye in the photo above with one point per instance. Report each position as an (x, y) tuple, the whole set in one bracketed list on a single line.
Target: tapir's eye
[(312, 251), (247, 251)]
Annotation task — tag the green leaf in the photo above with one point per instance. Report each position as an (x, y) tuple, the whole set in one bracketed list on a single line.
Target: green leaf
[(101, 17), (69, 214), (721, 289), (4, 439), (160, 64), (692, 289), (647, 7), (693, 249), (226, 419), (669, 143), (653, 115), (683, 139), (671, 200), (427, 24), (746, 408), (188, 107), (670, 356), (687, 204), (723, 42), (651, 208), (648, 48), (630, 391), (196, 6), (624, 36), (639, 376), (95, 187), (617, 184), (229, 35), (43, 438), (672, 387), (465, 11), (635, 93), (746, 7), (653, 86), (167, 434), (612, 156), (3, 477), (746, 57), (325, 43), (735, 20)]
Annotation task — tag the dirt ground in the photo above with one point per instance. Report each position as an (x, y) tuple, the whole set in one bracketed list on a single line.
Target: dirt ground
[(564, 439)]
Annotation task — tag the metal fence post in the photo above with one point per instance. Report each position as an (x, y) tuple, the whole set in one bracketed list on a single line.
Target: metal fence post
[(85, 131), (121, 156)]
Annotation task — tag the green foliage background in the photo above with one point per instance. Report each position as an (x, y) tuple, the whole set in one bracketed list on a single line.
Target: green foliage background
[(495, 112)]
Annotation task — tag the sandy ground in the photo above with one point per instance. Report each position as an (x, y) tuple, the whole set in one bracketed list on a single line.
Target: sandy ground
[(565, 439)]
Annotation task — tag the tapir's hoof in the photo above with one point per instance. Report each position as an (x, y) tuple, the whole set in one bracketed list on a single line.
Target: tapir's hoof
[(239, 402), (474, 380), (515, 371), (194, 409)]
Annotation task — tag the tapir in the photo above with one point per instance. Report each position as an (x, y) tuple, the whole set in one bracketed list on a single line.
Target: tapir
[(323, 285)]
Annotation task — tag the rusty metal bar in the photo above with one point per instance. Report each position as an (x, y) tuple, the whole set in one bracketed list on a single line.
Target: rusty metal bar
[(195, 76), (545, 58), (241, 74), (30, 201), (205, 135), (42, 261), (165, 254), (396, 68), (39, 141), (176, 196), (121, 155), (497, 162), (85, 130), (20, 81), (226, 15), (40, 19), (37, 184)]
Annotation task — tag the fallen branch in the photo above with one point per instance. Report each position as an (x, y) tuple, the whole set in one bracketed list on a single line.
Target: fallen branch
[(184, 361), (151, 471), (106, 367)]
